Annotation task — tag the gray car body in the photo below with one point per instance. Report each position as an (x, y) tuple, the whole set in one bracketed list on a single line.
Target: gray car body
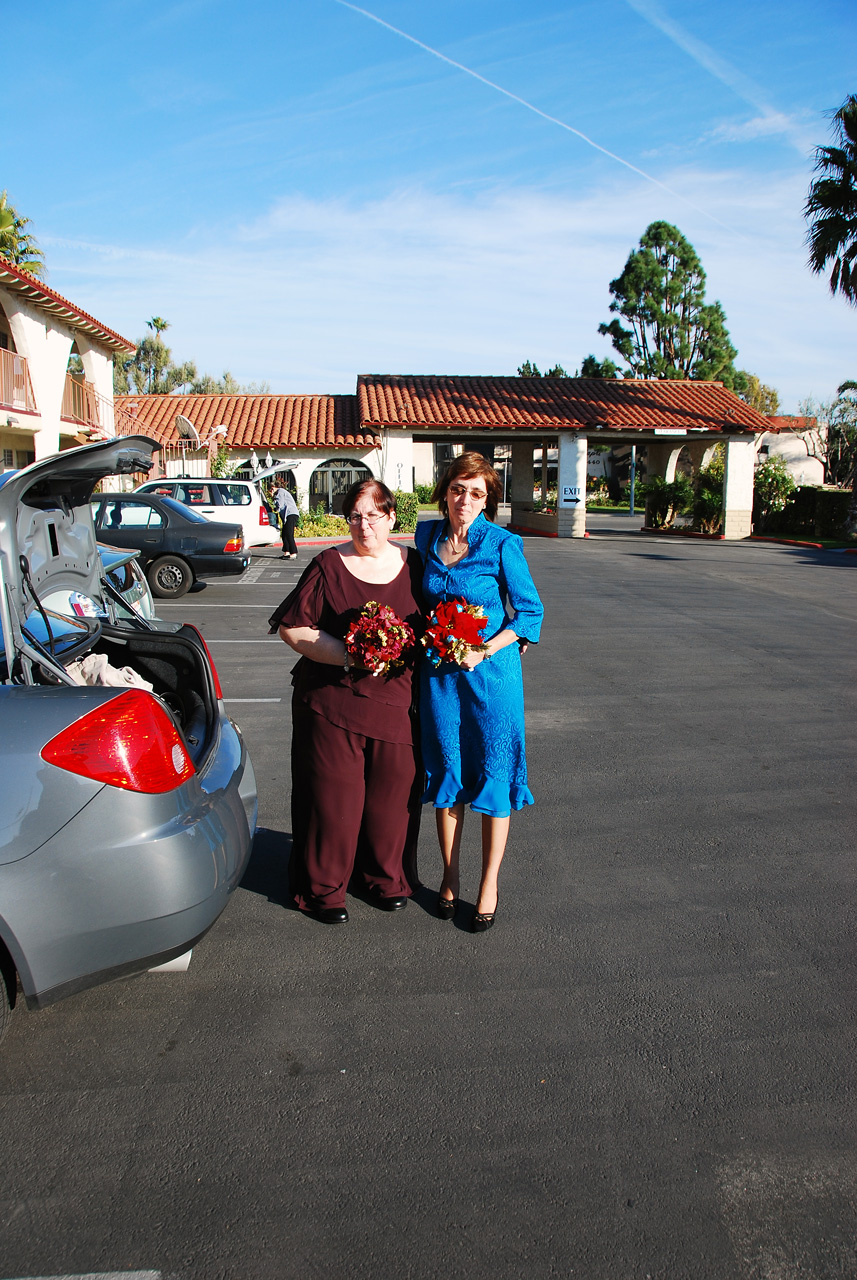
[(98, 881)]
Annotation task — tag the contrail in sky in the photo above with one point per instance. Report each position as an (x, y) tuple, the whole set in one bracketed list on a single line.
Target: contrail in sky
[(459, 66), (704, 56)]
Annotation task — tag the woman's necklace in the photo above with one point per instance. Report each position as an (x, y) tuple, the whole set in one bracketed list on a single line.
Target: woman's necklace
[(453, 549)]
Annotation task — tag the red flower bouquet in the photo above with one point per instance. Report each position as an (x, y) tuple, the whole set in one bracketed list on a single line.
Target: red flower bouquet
[(378, 639), (455, 628)]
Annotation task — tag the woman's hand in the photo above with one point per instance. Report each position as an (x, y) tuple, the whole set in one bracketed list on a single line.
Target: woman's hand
[(473, 658), (494, 645)]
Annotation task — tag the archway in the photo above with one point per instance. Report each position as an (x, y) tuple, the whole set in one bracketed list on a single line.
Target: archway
[(331, 481)]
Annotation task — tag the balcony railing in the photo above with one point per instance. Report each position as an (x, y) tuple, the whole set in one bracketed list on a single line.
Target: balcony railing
[(80, 402), (16, 391)]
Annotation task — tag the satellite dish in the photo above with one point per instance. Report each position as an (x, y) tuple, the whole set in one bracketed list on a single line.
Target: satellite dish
[(187, 430)]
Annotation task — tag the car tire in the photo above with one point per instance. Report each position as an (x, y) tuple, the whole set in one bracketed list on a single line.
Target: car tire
[(7, 991), (169, 577)]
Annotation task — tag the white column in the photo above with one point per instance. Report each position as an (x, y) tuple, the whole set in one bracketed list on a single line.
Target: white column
[(302, 471), (738, 487), (397, 460), (571, 479)]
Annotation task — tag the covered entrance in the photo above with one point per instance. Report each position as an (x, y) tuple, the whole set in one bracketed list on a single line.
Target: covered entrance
[(331, 481)]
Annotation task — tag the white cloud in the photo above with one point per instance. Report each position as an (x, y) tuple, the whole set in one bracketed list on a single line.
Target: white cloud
[(319, 291)]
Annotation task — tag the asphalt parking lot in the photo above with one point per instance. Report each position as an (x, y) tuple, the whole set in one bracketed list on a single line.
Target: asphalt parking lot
[(645, 1070)]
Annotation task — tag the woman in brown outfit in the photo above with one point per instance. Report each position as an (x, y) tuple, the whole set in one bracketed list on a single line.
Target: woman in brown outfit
[(354, 760)]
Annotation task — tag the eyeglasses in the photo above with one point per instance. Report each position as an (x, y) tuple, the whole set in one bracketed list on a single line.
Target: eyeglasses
[(459, 491), (354, 519)]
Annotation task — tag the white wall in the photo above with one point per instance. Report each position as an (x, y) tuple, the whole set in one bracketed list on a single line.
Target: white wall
[(791, 446), (45, 343)]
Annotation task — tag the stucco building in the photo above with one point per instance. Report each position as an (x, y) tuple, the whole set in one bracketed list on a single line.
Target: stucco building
[(384, 430), (43, 406)]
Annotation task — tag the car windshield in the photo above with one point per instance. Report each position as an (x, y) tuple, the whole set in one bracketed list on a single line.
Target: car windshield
[(180, 509)]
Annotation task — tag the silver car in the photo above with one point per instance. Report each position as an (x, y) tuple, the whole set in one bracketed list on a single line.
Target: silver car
[(128, 805)]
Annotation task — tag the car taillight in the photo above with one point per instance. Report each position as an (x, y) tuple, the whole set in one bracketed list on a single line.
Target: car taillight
[(234, 547), (264, 517), (128, 742), (218, 692)]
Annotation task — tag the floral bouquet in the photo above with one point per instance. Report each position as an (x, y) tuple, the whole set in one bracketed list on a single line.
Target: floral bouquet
[(378, 638), (455, 628)]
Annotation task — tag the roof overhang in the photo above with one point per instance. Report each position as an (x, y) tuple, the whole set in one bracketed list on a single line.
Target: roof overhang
[(38, 295)]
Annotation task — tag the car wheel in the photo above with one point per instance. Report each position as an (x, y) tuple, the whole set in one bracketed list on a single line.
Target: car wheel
[(7, 990), (169, 577)]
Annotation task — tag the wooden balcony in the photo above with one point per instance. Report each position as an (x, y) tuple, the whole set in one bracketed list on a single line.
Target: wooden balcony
[(16, 391), (80, 402)]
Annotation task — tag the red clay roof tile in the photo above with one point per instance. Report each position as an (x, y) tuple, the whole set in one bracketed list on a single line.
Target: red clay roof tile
[(255, 421), (538, 404)]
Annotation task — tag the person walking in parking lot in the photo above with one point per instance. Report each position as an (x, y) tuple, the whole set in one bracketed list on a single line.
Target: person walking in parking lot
[(355, 787), (287, 510)]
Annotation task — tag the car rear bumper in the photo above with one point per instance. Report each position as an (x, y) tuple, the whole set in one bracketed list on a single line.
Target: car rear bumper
[(132, 880), (218, 566)]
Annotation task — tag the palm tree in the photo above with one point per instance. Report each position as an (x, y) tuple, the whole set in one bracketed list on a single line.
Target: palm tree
[(831, 206), (16, 244)]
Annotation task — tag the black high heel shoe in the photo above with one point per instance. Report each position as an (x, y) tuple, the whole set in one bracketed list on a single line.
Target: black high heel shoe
[(447, 907), (483, 920)]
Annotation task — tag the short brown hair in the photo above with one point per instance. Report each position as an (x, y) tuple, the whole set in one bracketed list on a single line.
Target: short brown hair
[(470, 466), (379, 493)]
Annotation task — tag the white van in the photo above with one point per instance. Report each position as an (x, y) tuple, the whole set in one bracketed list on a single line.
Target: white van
[(227, 501)]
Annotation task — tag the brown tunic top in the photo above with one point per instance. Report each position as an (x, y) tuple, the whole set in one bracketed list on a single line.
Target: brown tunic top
[(330, 598)]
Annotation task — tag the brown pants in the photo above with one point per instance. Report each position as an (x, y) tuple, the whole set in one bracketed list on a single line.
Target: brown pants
[(353, 799)]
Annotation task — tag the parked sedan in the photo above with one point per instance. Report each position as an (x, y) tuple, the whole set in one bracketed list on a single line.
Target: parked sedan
[(176, 545), (128, 804)]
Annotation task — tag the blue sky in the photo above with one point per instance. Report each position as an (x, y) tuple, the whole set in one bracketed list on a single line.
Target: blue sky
[(307, 194)]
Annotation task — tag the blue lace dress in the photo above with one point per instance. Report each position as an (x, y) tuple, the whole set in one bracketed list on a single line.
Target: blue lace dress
[(473, 721)]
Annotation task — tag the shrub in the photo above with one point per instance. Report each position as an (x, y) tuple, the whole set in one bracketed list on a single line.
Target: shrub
[(665, 501), (810, 512), (708, 498), (424, 492), (407, 510), (772, 489), (318, 524)]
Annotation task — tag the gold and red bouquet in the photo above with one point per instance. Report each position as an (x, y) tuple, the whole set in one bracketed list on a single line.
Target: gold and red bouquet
[(455, 628), (378, 639)]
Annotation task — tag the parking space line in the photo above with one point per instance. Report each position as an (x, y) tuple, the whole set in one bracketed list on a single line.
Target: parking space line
[(228, 700), (179, 604), (102, 1275)]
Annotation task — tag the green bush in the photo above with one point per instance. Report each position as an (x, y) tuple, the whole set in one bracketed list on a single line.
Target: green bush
[(772, 489), (316, 523), (708, 496), (407, 510), (809, 513), (665, 501), (424, 492)]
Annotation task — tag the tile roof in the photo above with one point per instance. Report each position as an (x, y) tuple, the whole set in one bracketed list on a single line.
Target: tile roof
[(266, 421), (538, 404), (788, 422), (17, 280)]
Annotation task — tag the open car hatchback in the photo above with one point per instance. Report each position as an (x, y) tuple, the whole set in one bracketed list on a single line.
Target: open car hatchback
[(129, 805)]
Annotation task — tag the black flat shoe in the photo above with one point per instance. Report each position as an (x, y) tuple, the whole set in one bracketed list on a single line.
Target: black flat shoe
[(392, 904), (447, 907), (484, 920), (329, 915)]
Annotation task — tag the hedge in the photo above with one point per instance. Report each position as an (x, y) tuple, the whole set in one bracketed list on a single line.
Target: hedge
[(811, 512)]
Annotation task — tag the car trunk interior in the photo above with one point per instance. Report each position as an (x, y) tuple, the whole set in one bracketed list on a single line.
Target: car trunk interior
[(173, 663), (176, 668)]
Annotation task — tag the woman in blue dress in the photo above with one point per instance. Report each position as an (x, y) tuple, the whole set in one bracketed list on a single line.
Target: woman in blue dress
[(473, 714)]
